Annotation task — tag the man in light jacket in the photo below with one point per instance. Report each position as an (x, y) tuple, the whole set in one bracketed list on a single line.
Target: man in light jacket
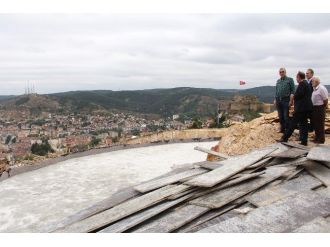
[(320, 103)]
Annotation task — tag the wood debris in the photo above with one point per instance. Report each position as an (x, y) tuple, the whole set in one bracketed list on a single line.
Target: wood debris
[(272, 196)]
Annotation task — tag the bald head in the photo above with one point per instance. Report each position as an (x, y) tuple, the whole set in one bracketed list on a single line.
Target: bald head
[(316, 81)]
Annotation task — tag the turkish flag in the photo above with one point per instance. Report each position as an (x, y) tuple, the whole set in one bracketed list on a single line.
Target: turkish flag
[(242, 82)]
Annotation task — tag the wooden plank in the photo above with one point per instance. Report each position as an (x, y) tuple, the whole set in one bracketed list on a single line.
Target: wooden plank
[(295, 145), (319, 171), (173, 220), (115, 199), (294, 174), (211, 165), (222, 197), (192, 226), (282, 216), (272, 194), (294, 162), (136, 219), (320, 153), (292, 153), (227, 184), (178, 195), (230, 167), (155, 184), (123, 210), (208, 151), (260, 163), (324, 191), (318, 225)]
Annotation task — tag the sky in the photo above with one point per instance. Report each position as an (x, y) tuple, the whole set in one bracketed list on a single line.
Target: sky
[(66, 52)]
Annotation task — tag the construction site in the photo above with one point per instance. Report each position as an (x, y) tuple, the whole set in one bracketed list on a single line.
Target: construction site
[(247, 182)]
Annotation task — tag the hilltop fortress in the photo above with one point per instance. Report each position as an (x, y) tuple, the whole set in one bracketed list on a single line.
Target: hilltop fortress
[(245, 103)]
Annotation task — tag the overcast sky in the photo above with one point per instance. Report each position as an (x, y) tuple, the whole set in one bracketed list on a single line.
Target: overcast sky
[(126, 52)]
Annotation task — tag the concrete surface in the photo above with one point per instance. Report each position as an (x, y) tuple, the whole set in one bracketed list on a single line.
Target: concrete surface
[(32, 201)]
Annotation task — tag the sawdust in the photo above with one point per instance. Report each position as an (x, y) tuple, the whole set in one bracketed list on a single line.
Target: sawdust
[(241, 138)]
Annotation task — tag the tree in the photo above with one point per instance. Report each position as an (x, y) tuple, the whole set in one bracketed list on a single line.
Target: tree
[(41, 149), (221, 124), (197, 124), (94, 142), (8, 139), (136, 132)]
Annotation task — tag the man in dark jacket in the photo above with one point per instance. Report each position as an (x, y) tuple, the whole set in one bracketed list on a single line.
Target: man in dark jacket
[(302, 108)]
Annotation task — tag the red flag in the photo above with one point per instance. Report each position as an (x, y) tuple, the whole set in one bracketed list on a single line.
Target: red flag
[(242, 82)]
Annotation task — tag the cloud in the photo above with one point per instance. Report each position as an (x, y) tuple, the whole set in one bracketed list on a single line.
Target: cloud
[(62, 52)]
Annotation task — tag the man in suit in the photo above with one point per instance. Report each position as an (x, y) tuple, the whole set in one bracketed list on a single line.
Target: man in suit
[(302, 108), (309, 76)]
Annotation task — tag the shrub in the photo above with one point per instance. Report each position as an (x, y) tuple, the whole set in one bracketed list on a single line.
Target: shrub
[(41, 149)]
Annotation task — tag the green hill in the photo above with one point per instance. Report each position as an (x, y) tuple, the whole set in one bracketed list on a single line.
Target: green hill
[(164, 102)]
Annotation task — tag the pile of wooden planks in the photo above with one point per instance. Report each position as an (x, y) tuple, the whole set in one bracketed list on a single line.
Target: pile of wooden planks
[(279, 188)]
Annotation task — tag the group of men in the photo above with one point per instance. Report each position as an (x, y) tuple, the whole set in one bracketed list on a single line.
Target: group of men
[(309, 99)]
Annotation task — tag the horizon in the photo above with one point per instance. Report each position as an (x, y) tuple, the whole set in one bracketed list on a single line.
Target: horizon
[(69, 52), (146, 89)]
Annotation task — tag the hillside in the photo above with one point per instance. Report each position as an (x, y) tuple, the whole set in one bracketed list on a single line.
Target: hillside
[(164, 102), (35, 104)]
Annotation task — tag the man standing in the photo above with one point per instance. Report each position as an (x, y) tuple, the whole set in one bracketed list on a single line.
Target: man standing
[(284, 98), (320, 103), (309, 76), (302, 107)]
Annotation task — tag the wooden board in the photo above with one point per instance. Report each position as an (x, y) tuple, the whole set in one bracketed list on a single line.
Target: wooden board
[(295, 145), (319, 171), (211, 165), (178, 195), (230, 167), (294, 162), (155, 184), (222, 197), (294, 173), (208, 151), (260, 163), (320, 153), (282, 216), (115, 199), (324, 191), (173, 220), (238, 180), (123, 210), (272, 194), (292, 153), (318, 225), (192, 226), (134, 220)]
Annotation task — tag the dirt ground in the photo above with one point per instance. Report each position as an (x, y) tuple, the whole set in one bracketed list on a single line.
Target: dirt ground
[(241, 138)]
